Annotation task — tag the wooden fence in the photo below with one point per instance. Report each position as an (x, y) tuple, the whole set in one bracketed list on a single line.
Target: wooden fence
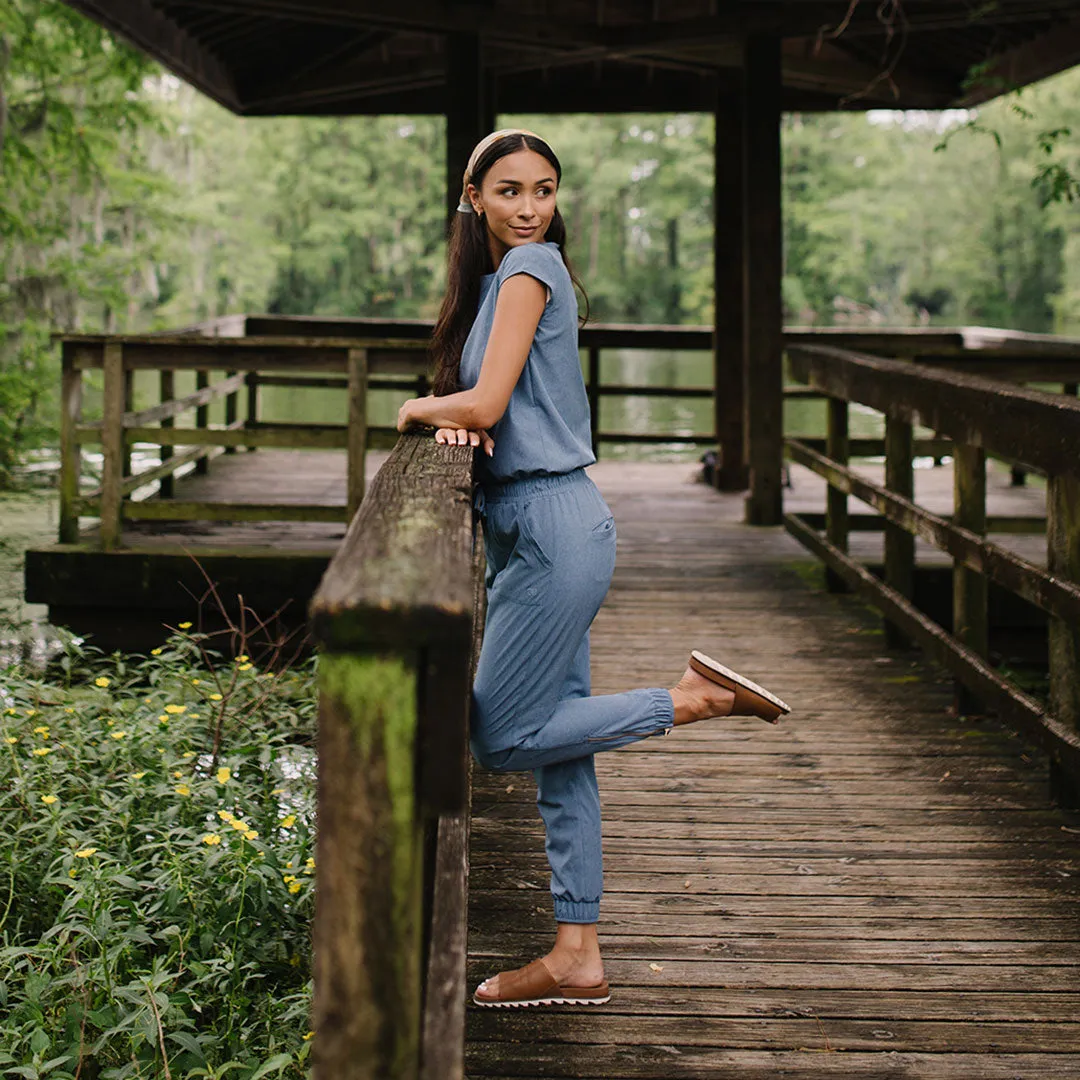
[(398, 618), (980, 416)]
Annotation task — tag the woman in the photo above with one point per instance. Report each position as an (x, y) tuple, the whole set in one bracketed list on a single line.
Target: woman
[(508, 378)]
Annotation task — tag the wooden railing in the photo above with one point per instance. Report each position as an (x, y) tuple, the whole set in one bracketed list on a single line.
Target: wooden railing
[(398, 618), (980, 416), (244, 364)]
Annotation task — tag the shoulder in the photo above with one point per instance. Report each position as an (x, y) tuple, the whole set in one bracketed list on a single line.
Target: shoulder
[(544, 257)]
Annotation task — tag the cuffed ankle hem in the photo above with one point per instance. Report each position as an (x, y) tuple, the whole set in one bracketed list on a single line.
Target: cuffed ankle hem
[(665, 709), (577, 911)]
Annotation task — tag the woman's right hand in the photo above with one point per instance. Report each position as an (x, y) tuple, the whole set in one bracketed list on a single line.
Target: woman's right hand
[(464, 437)]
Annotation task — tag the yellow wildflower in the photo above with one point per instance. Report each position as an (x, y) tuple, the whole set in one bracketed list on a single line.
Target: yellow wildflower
[(31, 712), (184, 626), (163, 719), (224, 774), (43, 730), (48, 800), (155, 652), (193, 716), (237, 824), (310, 1035), (196, 682), (310, 864), (243, 658), (188, 754), (225, 815), (212, 839), (11, 712), (137, 775), (278, 791), (86, 853), (71, 872), (101, 681), (11, 740), (288, 877), (117, 734), (294, 887), (215, 697), (244, 667), (109, 723), (289, 822), (177, 773), (182, 789), (41, 751), (251, 834), (69, 709), (175, 710), (294, 960)]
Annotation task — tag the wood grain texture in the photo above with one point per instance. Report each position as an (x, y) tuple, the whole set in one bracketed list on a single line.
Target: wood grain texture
[(875, 888)]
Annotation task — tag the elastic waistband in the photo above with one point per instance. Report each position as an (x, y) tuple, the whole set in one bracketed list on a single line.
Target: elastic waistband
[(530, 485)]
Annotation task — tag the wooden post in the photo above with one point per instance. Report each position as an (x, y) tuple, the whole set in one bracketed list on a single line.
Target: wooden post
[(251, 381), (594, 398), (129, 406), (729, 278), (168, 393), (467, 115), (231, 404), (358, 428), (202, 417), (969, 587), (1063, 560), (764, 268), (112, 446), (368, 905), (837, 447), (899, 543), (70, 450)]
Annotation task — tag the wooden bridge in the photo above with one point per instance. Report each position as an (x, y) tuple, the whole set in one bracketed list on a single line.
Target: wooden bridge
[(883, 886)]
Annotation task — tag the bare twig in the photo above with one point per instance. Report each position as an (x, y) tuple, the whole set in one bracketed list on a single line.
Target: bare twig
[(160, 1031)]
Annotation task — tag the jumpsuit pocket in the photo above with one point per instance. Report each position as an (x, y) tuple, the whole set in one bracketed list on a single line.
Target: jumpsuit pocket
[(602, 545), (536, 564)]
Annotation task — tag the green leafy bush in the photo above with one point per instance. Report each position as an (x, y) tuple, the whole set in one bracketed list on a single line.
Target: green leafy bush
[(156, 867)]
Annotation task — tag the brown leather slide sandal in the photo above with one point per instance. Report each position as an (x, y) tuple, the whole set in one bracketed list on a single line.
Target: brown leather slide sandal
[(750, 699), (533, 984)]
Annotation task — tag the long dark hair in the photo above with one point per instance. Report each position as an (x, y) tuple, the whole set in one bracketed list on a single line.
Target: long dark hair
[(468, 258)]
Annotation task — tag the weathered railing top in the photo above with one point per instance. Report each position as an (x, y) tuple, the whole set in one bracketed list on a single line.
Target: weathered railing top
[(1033, 426), (404, 572)]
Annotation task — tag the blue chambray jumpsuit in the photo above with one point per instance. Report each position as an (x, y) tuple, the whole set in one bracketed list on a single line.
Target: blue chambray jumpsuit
[(550, 543)]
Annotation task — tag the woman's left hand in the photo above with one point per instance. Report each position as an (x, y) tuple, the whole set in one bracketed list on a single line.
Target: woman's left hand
[(405, 417)]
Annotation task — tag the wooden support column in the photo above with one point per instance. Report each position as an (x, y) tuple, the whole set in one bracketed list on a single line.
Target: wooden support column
[(1063, 561), (468, 117), (764, 314), (168, 393), (70, 450), (594, 397), (112, 446), (202, 419), (230, 411), (899, 543), (969, 587), (837, 447), (129, 406), (358, 427), (729, 270)]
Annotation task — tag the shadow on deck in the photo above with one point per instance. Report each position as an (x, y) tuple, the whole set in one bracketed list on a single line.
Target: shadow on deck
[(877, 888)]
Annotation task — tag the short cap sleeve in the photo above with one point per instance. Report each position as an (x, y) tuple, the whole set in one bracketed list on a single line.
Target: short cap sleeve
[(541, 261)]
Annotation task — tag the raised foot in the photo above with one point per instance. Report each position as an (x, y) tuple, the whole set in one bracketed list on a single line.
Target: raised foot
[(538, 984), (750, 699)]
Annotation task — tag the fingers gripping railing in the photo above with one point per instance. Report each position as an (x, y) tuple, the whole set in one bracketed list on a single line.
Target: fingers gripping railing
[(397, 617)]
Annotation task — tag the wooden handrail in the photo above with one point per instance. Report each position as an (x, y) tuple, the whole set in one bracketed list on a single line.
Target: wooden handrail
[(396, 617), (980, 415)]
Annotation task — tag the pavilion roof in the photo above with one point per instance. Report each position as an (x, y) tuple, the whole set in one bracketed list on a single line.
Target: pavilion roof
[(267, 57)]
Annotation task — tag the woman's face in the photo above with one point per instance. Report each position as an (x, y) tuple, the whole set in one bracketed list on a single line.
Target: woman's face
[(517, 198)]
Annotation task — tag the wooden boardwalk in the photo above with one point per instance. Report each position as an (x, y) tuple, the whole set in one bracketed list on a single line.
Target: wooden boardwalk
[(875, 889)]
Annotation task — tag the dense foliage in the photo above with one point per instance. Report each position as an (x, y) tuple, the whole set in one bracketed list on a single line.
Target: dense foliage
[(129, 202), (156, 867)]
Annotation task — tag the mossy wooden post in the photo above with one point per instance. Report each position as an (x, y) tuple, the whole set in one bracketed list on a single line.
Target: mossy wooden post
[(70, 450), (129, 406), (394, 618), (1063, 561), (358, 433), (837, 447), (112, 446), (969, 586), (251, 418), (230, 411), (202, 418), (168, 392), (594, 398), (899, 543)]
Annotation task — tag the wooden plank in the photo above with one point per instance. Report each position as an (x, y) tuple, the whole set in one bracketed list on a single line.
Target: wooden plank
[(315, 436), (172, 407), (1034, 426), (899, 543), (179, 510), (70, 450), (970, 595), (232, 404), (202, 417), (764, 416), (368, 911), (357, 430), (112, 446)]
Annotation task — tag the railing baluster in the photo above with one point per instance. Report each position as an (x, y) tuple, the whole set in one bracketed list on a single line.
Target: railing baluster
[(594, 398), (70, 449), (899, 544), (358, 433), (112, 446), (168, 392), (231, 404), (970, 624), (1063, 561), (837, 447), (129, 406), (252, 417), (202, 419)]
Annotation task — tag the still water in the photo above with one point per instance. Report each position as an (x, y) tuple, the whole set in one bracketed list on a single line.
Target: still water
[(675, 416)]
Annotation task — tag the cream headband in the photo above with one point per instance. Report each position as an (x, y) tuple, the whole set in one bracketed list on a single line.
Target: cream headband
[(465, 206)]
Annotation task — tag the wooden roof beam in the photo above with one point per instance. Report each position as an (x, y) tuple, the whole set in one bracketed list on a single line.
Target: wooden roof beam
[(139, 22)]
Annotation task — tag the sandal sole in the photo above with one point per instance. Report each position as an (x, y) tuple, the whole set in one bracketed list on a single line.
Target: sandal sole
[(717, 668)]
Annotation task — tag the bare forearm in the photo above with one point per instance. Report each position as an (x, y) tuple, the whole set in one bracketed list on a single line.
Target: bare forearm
[(461, 410)]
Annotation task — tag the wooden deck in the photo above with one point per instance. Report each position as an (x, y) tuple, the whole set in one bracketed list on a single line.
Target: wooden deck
[(875, 889)]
